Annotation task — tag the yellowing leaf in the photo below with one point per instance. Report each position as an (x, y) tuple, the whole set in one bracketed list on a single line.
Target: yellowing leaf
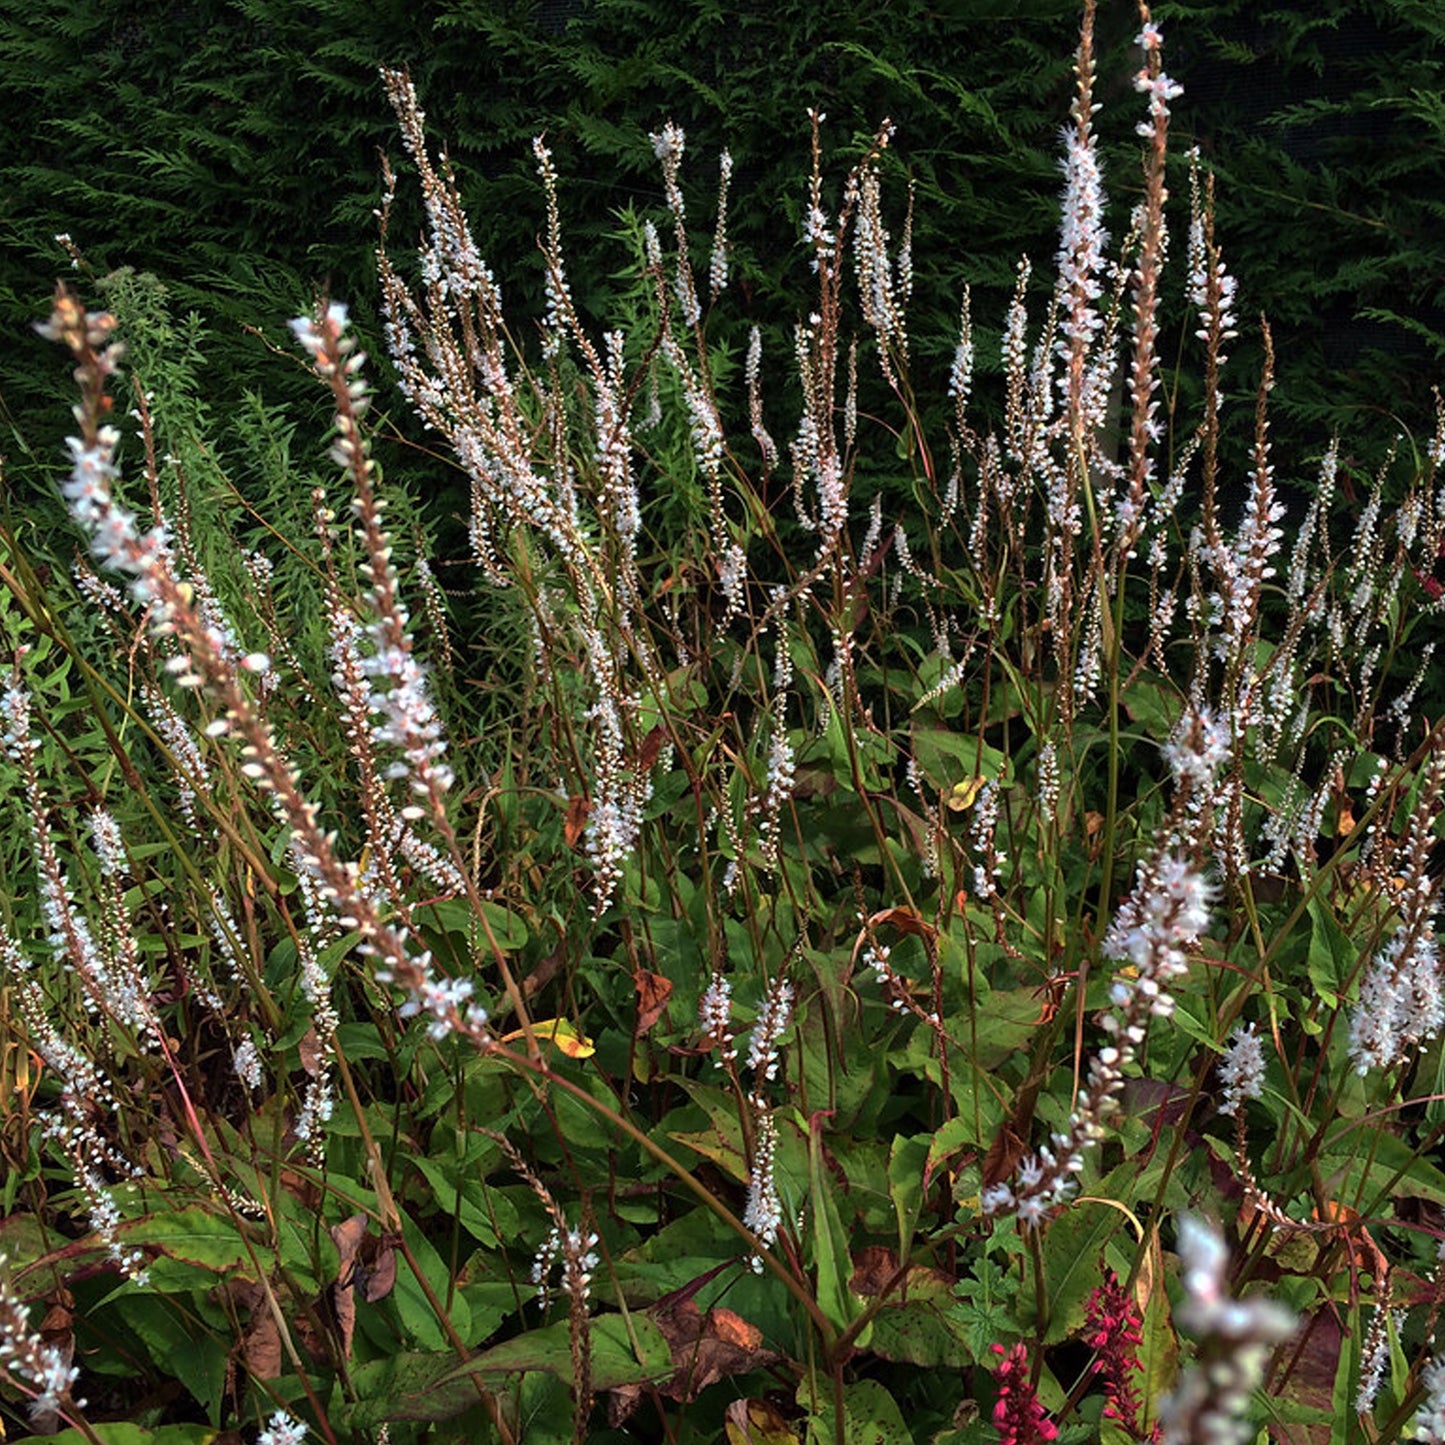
[(560, 1032), (960, 797)]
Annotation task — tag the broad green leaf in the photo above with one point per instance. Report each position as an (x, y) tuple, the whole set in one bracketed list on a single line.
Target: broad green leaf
[(410, 1300), (1072, 1246), (192, 1235), (831, 1254), (487, 1214), (409, 1386), (175, 1343), (923, 1331), (870, 1416), (1359, 1162), (615, 1361), (907, 1159)]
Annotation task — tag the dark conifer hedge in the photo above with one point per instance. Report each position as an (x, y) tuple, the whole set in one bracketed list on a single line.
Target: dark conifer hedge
[(230, 146)]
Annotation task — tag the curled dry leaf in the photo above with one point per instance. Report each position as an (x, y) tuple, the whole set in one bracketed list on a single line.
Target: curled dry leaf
[(347, 1236), (706, 1348), (574, 823), (365, 1267), (261, 1335), (653, 992), (312, 1054)]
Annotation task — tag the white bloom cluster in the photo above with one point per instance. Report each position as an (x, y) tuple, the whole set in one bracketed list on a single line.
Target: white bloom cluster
[(1430, 1417), (1083, 239), (105, 834), (282, 1429), (1374, 1356), (782, 770), (714, 1012), (763, 1041), (576, 1247), (43, 1368), (1154, 931), (764, 1212), (1210, 1401), (442, 999), (1242, 1072), (247, 1063), (405, 718), (1197, 749), (1400, 1005)]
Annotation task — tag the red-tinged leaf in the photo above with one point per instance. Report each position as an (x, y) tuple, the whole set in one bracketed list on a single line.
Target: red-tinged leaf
[(651, 748)]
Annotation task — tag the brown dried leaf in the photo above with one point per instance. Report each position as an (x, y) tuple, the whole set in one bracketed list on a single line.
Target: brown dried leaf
[(621, 1404), (873, 1269), (348, 1237), (574, 824), (651, 748), (905, 920), (261, 1344), (1002, 1157), (311, 1052), (653, 992), (706, 1348), (381, 1277)]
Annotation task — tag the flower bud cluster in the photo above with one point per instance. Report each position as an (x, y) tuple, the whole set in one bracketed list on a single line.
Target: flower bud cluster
[(43, 1370)]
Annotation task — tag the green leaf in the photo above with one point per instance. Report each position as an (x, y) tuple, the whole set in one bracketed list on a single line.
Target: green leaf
[(615, 1362), (922, 1328), (982, 1310), (410, 1300), (176, 1345), (482, 1212), (1332, 957), (831, 1252), (907, 1159), (1072, 1246), (409, 1386), (870, 1416), (192, 1235), (456, 916)]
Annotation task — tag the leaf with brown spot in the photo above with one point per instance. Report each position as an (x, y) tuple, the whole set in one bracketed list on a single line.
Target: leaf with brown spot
[(653, 992)]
